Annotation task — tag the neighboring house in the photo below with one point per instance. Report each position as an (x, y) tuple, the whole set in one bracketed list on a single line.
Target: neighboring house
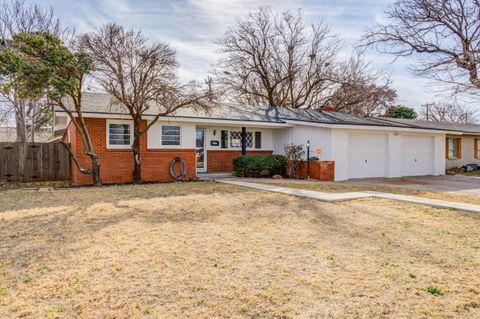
[(208, 141), (9, 134), (462, 144)]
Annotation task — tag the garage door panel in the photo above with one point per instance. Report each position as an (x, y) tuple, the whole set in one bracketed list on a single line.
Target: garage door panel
[(367, 155), (417, 155)]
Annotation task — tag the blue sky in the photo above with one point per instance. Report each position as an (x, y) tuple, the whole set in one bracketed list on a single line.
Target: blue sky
[(191, 26)]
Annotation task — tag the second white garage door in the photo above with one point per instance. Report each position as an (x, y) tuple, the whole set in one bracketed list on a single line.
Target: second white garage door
[(417, 155), (367, 155)]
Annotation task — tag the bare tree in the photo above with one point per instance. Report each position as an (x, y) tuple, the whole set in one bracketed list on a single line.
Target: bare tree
[(140, 77), (361, 93), (445, 112), (274, 59), (443, 35)]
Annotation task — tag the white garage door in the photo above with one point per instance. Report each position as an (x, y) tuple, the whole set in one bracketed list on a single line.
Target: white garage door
[(417, 155), (367, 155)]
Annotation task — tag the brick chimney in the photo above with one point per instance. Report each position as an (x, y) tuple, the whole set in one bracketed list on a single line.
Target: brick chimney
[(329, 109)]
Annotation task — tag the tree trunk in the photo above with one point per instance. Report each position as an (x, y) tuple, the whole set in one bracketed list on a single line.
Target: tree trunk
[(20, 120), (97, 181), (21, 128), (34, 111), (137, 159), (95, 170)]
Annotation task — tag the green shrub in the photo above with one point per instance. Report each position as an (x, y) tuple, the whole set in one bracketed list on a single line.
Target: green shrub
[(259, 165), (314, 158)]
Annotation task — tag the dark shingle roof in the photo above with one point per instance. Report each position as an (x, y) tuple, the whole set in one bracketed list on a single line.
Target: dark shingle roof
[(101, 103), (435, 125)]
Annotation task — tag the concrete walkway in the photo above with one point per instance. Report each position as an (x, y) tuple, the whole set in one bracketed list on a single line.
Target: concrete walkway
[(336, 197)]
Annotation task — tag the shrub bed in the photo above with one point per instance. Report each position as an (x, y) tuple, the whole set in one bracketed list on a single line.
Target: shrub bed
[(259, 165)]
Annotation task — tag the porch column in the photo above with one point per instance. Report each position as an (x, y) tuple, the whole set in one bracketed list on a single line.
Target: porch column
[(244, 141)]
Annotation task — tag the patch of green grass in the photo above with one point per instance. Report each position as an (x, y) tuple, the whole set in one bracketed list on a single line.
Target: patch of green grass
[(331, 258), (75, 282), (432, 212), (434, 290), (146, 310), (56, 308), (442, 232), (3, 293)]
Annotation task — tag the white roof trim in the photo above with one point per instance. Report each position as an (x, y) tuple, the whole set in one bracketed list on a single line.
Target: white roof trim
[(234, 123), (372, 127)]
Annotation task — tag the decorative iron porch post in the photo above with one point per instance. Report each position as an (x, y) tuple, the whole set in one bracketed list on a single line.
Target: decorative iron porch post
[(244, 141)]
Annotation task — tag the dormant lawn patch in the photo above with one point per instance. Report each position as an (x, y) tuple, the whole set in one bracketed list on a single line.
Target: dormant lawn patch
[(204, 250)]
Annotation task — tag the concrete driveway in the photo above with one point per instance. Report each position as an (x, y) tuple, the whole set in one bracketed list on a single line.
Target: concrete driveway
[(467, 185)]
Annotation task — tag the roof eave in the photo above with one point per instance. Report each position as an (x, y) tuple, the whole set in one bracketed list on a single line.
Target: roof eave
[(189, 119), (378, 127)]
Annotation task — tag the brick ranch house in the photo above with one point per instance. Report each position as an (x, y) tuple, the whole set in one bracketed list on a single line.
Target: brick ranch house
[(348, 146)]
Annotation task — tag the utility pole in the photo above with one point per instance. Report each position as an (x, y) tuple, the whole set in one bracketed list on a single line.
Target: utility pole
[(427, 110), (208, 81)]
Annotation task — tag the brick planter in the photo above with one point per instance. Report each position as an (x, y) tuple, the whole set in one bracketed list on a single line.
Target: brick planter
[(320, 170)]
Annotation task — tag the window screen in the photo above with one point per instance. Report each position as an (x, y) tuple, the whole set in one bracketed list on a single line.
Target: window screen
[(119, 134), (453, 148), (170, 135), (258, 140)]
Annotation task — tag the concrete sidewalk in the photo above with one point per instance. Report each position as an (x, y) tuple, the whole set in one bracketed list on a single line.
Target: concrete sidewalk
[(336, 197)]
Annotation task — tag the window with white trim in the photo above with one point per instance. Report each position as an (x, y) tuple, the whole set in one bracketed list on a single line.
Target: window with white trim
[(119, 135), (171, 135)]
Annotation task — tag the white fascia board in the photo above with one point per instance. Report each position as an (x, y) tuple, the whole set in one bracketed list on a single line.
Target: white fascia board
[(372, 128), (232, 123)]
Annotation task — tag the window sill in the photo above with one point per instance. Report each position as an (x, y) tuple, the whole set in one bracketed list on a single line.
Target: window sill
[(114, 148)]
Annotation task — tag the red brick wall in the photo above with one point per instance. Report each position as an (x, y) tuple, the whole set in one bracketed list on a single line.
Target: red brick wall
[(116, 166), (222, 160), (321, 170)]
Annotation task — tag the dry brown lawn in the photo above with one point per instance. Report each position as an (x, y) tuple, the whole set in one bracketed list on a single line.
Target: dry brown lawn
[(339, 187), (206, 250)]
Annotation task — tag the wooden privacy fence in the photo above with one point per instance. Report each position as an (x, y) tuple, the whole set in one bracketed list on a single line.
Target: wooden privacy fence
[(42, 162)]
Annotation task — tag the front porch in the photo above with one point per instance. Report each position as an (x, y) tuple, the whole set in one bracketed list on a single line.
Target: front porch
[(217, 146)]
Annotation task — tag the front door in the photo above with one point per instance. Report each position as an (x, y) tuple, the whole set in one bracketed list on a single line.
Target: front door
[(201, 154)]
